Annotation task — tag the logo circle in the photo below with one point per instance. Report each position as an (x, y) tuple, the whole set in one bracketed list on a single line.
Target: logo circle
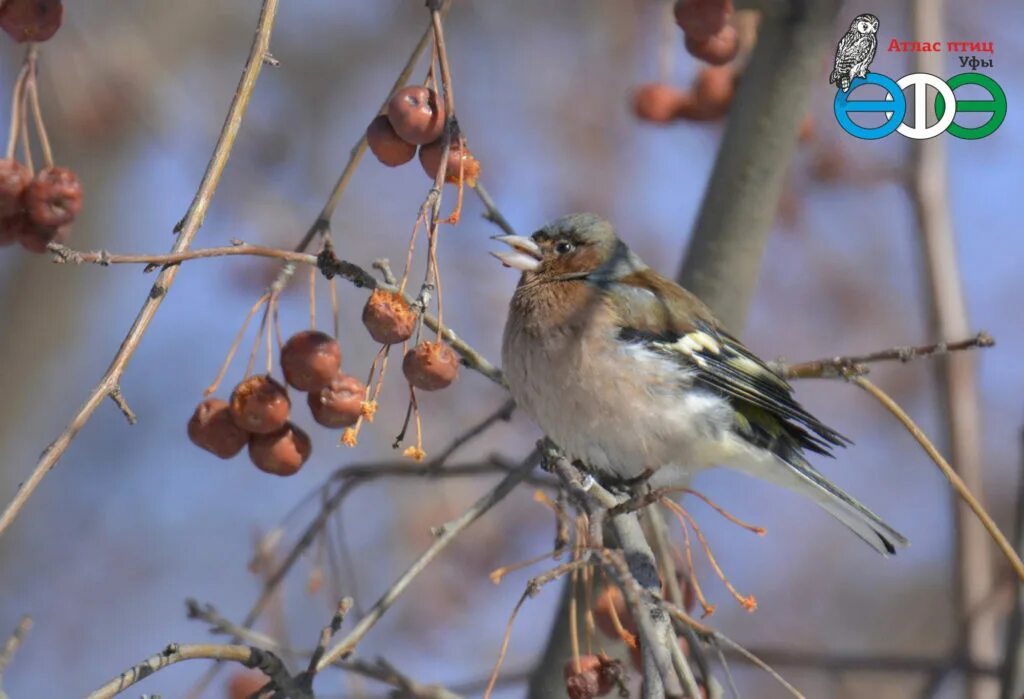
[(920, 130), (894, 106), (995, 106)]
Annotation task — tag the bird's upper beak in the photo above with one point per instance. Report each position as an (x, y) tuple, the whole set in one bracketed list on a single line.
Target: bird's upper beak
[(525, 254)]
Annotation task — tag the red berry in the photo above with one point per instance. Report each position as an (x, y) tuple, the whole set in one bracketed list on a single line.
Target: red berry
[(31, 20), (430, 366), (339, 403), (212, 428), (702, 19), (281, 453), (388, 317), (714, 91), (310, 359), (31, 237), (387, 145), (54, 197), (462, 164), (718, 49), (660, 103), (611, 598), (260, 405), (416, 114), (597, 675), (14, 178)]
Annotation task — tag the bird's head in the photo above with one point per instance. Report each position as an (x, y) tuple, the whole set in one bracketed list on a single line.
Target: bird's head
[(577, 246), (865, 24)]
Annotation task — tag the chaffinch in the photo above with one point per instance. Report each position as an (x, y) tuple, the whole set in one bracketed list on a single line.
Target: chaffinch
[(632, 375)]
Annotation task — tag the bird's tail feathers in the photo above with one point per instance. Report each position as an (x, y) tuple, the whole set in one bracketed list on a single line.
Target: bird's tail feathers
[(800, 477)]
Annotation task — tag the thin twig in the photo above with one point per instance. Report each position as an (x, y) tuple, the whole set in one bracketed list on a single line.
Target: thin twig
[(328, 264), (190, 226), (841, 367), (444, 536), (951, 475), (12, 644)]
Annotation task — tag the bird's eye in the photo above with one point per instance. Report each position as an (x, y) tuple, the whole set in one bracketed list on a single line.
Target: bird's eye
[(564, 247)]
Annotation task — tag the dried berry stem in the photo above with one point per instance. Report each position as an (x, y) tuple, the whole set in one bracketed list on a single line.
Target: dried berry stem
[(26, 144), (32, 88), (335, 309), (234, 346), (17, 111), (312, 297)]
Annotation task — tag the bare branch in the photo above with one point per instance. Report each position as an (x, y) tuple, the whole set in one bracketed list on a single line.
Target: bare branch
[(843, 367), (445, 535), (264, 661), (11, 646)]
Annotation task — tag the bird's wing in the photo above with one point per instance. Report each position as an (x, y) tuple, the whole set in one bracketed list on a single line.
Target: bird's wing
[(848, 51), (649, 308)]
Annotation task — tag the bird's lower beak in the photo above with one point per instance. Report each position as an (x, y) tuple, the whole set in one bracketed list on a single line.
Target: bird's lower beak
[(525, 254)]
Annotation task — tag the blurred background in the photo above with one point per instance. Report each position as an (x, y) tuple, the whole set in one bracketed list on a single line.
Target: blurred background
[(135, 519)]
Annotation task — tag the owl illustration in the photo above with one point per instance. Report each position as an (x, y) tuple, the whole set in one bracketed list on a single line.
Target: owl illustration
[(855, 51)]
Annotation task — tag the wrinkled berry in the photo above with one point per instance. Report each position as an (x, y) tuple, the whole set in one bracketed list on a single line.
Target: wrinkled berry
[(702, 19), (462, 164), (718, 49), (34, 238), (597, 675), (54, 197), (310, 359), (260, 405), (388, 317), (387, 145), (339, 403), (212, 428), (31, 20), (714, 91), (281, 453), (430, 366), (14, 178), (660, 103)]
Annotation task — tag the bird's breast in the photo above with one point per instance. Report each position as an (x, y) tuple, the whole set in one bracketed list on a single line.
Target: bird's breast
[(620, 407)]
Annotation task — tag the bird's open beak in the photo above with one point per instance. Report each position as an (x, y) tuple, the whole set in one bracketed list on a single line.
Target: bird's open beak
[(525, 254)]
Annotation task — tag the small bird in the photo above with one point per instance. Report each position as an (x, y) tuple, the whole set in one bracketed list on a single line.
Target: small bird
[(855, 51), (631, 374)]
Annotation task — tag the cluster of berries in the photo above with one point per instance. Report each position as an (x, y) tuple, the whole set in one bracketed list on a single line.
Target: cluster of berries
[(429, 366), (36, 210), (259, 410), (416, 117), (31, 20), (711, 38)]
